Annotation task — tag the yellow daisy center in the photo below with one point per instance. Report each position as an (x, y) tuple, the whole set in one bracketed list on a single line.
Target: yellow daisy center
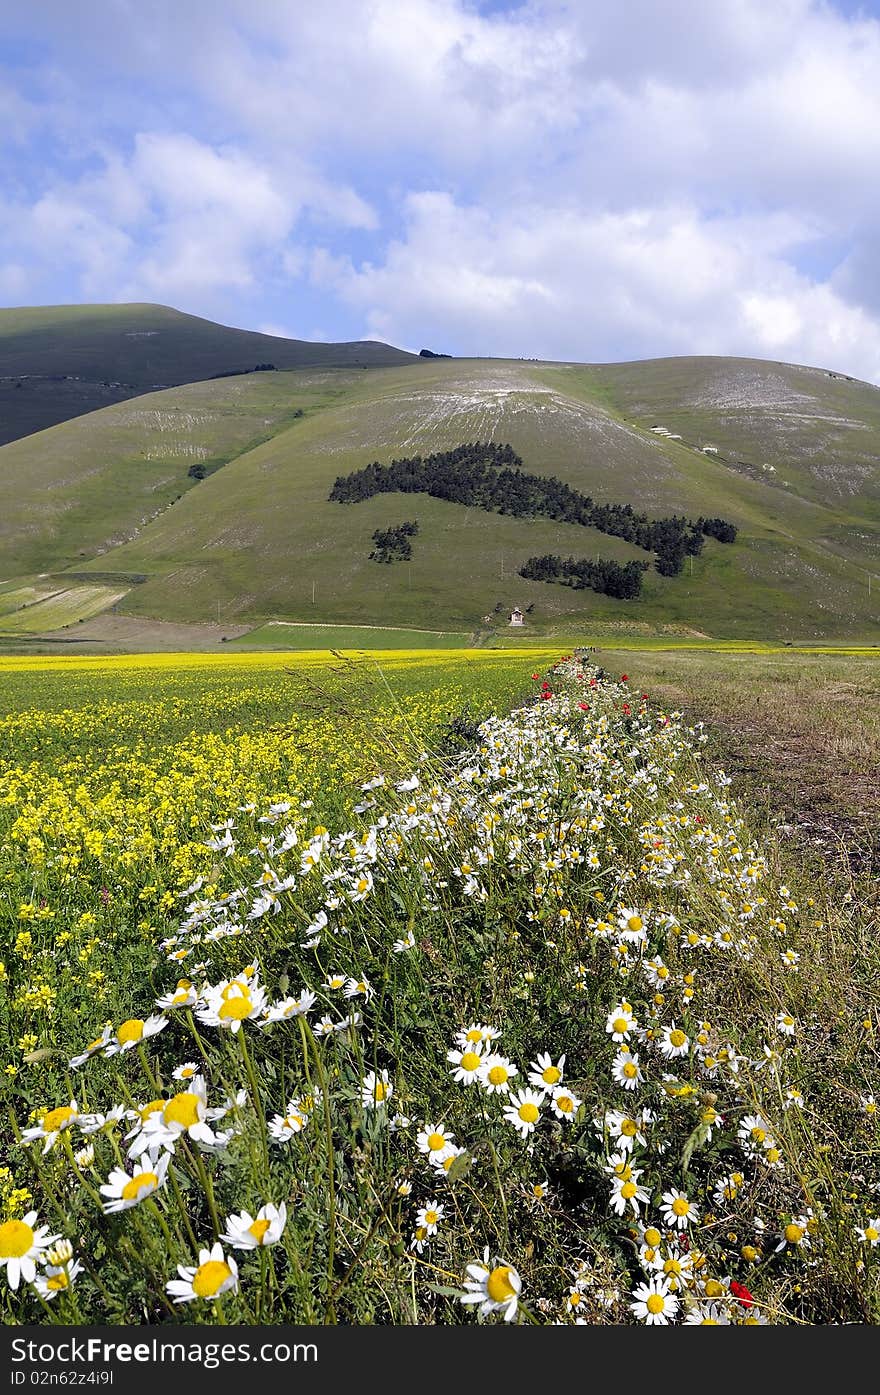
[(16, 1239), (436, 1141), (258, 1230), (57, 1118), (552, 1075), (474, 1035), (431, 1218), (236, 1009), (630, 1070), (380, 1090), (183, 1110), (565, 1103), (150, 1108), (620, 1025), (655, 1303), (759, 1135), (677, 1037), (209, 1278), (872, 1233), (628, 1190), (470, 1060), (58, 1282), (634, 922), (498, 1285), (713, 1289), (794, 1234), (629, 1128), (132, 1030), (681, 1206), (144, 1182), (653, 1236), (498, 1075), (528, 1112)]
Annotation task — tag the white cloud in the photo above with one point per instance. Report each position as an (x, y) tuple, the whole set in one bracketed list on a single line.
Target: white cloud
[(595, 180), (553, 283)]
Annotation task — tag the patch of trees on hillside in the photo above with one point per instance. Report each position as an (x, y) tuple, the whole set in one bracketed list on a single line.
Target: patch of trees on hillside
[(488, 475), (393, 544), (620, 579)]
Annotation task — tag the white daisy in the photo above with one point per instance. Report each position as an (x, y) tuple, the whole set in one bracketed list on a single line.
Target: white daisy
[(620, 1022), (22, 1243), (545, 1073), (654, 1302), (495, 1290), (524, 1110), (57, 1278), (429, 1217), (288, 1008), (467, 1063), (53, 1123), (126, 1191), (376, 1090), (435, 1141), (213, 1276), (132, 1032), (678, 1211), (673, 1042), (627, 1071), (247, 1232), (565, 1103), (496, 1074)]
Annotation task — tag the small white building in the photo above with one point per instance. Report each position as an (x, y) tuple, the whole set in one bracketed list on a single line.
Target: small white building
[(516, 616)]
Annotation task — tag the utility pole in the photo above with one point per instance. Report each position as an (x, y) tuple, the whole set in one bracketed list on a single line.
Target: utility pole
[(502, 566), (313, 593)]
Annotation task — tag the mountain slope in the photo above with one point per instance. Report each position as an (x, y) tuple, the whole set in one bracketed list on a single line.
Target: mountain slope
[(61, 361), (109, 497)]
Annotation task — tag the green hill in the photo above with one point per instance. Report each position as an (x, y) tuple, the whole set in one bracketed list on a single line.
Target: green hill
[(109, 499), (61, 361)]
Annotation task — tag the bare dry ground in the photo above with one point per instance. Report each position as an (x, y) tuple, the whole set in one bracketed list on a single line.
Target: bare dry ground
[(125, 634), (799, 734)]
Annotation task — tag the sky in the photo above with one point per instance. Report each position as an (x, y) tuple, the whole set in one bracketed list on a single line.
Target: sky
[(590, 180)]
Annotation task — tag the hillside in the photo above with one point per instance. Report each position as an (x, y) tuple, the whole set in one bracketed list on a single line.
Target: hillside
[(61, 361), (109, 497)]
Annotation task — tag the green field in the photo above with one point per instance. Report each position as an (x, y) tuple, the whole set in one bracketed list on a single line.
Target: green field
[(32, 611)]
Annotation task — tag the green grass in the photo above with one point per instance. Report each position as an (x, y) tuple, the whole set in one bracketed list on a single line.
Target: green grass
[(60, 361)]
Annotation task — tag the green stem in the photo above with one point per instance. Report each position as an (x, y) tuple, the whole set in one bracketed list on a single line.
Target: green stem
[(309, 1042), (255, 1097)]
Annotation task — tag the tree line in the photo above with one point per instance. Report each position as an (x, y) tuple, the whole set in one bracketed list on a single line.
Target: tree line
[(488, 475)]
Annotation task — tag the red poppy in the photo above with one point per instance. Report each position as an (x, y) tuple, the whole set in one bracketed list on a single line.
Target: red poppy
[(741, 1294), (584, 706), (624, 678), (536, 675), (625, 708)]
